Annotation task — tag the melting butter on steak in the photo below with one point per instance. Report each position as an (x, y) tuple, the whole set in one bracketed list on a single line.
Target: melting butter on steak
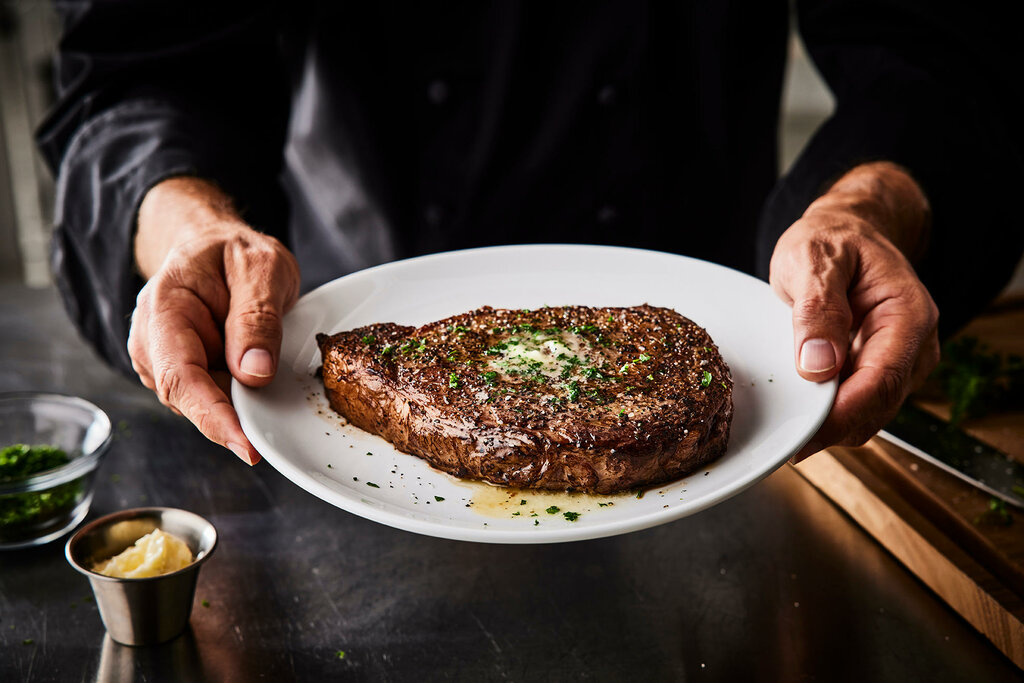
[(574, 397)]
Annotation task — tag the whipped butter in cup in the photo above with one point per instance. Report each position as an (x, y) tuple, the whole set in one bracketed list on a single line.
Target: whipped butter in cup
[(155, 555)]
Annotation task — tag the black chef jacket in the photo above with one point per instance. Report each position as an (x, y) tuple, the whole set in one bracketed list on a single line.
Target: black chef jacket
[(364, 132)]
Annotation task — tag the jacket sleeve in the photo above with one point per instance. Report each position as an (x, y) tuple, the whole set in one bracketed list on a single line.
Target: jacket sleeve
[(933, 90), (147, 90)]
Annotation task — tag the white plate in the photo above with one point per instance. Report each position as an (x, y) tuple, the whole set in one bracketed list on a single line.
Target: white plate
[(289, 422)]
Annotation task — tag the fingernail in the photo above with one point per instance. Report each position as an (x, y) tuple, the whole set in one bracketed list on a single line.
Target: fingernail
[(817, 355), (241, 451), (258, 363)]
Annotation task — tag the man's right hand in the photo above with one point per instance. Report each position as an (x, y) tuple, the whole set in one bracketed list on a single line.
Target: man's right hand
[(212, 306)]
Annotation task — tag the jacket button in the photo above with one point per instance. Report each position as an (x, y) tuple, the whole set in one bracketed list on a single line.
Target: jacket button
[(433, 215), (437, 92), (606, 215)]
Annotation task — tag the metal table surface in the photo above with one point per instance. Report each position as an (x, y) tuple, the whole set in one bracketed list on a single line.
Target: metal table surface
[(775, 584)]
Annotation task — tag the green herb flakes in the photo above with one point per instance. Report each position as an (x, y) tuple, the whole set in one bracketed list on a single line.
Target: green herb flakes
[(340, 654), (438, 498), (571, 516), (453, 380), (31, 508), (490, 377), (368, 339), (706, 380), (370, 483), (996, 515), (522, 502), (554, 509)]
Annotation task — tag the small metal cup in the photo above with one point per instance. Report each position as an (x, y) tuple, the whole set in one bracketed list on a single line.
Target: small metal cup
[(142, 611)]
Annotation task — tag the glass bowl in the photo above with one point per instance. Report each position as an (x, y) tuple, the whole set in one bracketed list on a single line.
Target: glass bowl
[(40, 507)]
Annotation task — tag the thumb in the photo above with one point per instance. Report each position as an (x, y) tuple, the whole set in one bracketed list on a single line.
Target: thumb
[(253, 329), (821, 316)]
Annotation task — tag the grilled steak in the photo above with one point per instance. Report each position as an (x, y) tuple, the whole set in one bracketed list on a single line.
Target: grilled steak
[(589, 399)]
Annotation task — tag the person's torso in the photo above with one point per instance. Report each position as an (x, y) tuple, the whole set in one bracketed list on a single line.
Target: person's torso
[(422, 128)]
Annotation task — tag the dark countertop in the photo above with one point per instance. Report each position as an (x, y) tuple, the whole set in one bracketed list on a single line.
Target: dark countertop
[(775, 584)]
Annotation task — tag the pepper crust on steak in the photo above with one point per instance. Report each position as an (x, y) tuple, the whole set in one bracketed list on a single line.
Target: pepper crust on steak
[(573, 397)]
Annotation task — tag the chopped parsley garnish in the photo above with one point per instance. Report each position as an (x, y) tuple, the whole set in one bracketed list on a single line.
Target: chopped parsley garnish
[(438, 498), (643, 358), (21, 460), (453, 380), (571, 516), (996, 514), (33, 507), (583, 329), (706, 380), (412, 346), (554, 509), (387, 350), (490, 377), (370, 483), (622, 413), (340, 654), (205, 603), (368, 339), (522, 502), (573, 391)]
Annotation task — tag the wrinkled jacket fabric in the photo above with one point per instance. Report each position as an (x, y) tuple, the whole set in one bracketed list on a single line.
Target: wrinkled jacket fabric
[(359, 133)]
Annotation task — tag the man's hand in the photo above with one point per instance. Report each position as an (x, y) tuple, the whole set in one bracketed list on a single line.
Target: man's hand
[(215, 294), (859, 310)]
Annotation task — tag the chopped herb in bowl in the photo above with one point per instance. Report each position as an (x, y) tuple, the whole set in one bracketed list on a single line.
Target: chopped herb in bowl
[(52, 448), (20, 461)]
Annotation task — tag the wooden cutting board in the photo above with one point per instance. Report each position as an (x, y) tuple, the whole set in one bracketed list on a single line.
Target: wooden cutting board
[(934, 523)]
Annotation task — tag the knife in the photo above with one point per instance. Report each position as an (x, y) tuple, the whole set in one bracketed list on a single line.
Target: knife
[(949, 448)]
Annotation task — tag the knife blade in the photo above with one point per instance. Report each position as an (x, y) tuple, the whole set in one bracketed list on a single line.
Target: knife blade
[(949, 448)]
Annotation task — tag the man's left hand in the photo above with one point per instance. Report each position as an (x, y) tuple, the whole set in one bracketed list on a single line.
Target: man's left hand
[(859, 310)]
